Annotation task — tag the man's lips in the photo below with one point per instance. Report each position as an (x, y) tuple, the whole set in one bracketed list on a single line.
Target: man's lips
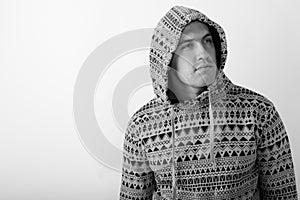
[(202, 66)]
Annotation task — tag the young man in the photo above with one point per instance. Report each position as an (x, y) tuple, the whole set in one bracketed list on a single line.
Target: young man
[(202, 137)]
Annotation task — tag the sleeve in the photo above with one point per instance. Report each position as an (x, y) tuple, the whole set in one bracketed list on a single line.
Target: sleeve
[(137, 180), (276, 168)]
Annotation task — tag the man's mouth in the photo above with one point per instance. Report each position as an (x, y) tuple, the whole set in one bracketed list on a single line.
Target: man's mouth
[(203, 66)]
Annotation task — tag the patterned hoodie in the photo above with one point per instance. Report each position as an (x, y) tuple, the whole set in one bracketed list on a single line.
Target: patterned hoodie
[(227, 143)]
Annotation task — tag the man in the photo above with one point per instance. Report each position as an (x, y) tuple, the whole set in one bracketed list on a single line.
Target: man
[(201, 136)]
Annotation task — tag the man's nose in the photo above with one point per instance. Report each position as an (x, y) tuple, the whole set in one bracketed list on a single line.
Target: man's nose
[(201, 52)]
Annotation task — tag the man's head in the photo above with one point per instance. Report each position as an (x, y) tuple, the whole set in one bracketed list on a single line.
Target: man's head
[(166, 57), (194, 62)]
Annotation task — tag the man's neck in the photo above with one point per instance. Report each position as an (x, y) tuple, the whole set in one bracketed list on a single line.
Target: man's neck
[(185, 93)]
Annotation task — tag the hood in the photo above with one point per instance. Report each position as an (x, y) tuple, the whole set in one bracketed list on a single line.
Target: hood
[(166, 37)]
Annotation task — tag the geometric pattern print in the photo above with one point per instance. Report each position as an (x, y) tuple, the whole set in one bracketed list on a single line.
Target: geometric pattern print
[(252, 152)]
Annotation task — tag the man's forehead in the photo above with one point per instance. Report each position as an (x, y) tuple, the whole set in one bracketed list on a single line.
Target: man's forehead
[(195, 29)]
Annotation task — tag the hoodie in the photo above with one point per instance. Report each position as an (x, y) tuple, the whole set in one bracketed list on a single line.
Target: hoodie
[(227, 143)]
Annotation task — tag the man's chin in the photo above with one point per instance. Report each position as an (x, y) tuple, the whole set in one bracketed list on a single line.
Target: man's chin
[(206, 81)]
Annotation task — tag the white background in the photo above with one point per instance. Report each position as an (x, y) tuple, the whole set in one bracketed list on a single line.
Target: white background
[(43, 45)]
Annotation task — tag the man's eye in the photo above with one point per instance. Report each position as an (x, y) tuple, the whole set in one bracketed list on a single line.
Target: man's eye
[(208, 41), (187, 45)]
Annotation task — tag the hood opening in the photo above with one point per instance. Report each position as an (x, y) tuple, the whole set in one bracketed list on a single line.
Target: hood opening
[(217, 44)]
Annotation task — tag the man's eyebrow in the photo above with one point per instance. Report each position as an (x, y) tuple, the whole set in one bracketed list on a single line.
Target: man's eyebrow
[(190, 40)]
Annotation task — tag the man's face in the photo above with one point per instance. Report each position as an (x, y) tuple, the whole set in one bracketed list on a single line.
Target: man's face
[(194, 61)]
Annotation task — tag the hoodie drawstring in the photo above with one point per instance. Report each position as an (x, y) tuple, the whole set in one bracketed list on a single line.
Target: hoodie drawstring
[(173, 155), (211, 132)]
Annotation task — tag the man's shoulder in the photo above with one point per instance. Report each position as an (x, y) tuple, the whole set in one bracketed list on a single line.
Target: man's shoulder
[(145, 110), (241, 92)]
